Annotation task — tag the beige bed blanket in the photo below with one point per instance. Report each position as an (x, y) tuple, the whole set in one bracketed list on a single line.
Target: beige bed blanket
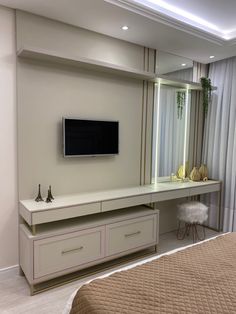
[(199, 279)]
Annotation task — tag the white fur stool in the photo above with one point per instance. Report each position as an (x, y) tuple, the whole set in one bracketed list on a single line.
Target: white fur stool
[(192, 214)]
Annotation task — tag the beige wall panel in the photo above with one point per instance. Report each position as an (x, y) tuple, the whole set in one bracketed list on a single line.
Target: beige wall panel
[(38, 32), (46, 93), (149, 123), (8, 160), (168, 214)]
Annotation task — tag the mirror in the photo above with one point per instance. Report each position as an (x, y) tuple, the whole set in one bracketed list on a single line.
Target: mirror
[(170, 130), (173, 66)]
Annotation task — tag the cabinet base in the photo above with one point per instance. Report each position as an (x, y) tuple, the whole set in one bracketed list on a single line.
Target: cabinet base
[(82, 274)]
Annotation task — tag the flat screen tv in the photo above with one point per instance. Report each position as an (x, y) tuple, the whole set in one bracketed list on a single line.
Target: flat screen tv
[(90, 137)]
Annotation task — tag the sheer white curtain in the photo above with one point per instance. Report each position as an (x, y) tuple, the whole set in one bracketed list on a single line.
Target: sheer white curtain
[(171, 133), (219, 150)]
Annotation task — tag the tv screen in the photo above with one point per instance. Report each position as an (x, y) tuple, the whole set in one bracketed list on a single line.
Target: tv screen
[(90, 137)]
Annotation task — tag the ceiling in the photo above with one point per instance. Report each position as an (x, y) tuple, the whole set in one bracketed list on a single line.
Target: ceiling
[(175, 26), (215, 17)]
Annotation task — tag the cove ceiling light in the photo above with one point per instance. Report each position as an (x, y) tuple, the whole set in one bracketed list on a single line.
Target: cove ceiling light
[(175, 12)]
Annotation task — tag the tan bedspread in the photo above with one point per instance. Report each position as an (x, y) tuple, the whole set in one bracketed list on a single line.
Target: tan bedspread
[(199, 279)]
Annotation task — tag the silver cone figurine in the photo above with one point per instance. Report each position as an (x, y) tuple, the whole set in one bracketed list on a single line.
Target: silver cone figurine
[(39, 196)]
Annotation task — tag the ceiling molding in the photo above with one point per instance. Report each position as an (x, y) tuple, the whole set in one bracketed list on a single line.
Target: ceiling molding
[(230, 42), (167, 20)]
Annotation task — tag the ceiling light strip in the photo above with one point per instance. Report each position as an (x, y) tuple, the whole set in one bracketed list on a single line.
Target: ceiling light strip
[(138, 8)]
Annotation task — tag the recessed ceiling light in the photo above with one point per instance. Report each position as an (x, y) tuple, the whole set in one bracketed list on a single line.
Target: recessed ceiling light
[(183, 64), (125, 27), (211, 57)]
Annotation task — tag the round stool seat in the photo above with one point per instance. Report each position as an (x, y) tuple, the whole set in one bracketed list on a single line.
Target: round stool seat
[(192, 212)]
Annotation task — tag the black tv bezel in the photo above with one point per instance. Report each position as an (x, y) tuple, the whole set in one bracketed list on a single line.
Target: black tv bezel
[(90, 155)]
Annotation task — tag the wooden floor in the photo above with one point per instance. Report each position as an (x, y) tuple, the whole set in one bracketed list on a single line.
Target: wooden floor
[(14, 291)]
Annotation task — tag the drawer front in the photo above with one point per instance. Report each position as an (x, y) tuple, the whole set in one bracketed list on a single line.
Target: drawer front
[(125, 202), (65, 213), (204, 189), (131, 234), (62, 252), (163, 196)]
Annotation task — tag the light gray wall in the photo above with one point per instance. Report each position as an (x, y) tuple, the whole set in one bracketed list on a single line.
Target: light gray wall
[(8, 160), (48, 92), (38, 32), (168, 215), (45, 95)]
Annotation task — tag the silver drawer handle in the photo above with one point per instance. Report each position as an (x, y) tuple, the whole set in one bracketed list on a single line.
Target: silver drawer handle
[(72, 250), (132, 234)]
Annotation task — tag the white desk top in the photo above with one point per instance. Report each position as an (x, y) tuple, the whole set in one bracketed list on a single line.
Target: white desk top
[(99, 196)]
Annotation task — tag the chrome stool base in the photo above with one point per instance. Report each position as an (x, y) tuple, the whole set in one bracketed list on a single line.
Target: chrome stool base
[(191, 227)]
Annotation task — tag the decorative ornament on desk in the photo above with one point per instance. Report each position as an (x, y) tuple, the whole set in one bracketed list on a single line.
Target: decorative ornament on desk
[(50, 192), (203, 172), (39, 196), (48, 199), (183, 171), (195, 174), (180, 172), (173, 177)]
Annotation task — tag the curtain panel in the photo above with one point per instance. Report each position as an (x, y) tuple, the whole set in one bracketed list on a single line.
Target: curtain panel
[(219, 144)]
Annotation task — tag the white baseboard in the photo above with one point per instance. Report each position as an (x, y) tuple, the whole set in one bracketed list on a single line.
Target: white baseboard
[(9, 272)]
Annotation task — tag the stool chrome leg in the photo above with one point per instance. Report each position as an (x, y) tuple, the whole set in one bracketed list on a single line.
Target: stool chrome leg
[(197, 234), (194, 231), (190, 227), (186, 231)]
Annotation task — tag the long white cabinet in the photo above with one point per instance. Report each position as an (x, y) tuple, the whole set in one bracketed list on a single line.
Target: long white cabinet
[(75, 232), (69, 206), (67, 246)]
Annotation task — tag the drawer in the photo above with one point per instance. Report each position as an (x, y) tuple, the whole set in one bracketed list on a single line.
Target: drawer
[(62, 252), (204, 189), (125, 202), (65, 213), (163, 196), (131, 234)]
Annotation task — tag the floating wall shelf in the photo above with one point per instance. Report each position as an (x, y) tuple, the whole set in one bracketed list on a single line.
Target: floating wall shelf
[(165, 80), (105, 67), (85, 63)]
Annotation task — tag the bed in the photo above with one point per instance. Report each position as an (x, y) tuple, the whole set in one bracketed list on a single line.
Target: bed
[(197, 279)]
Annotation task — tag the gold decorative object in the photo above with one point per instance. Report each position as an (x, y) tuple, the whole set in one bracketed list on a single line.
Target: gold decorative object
[(195, 174), (183, 171), (205, 179), (203, 171)]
